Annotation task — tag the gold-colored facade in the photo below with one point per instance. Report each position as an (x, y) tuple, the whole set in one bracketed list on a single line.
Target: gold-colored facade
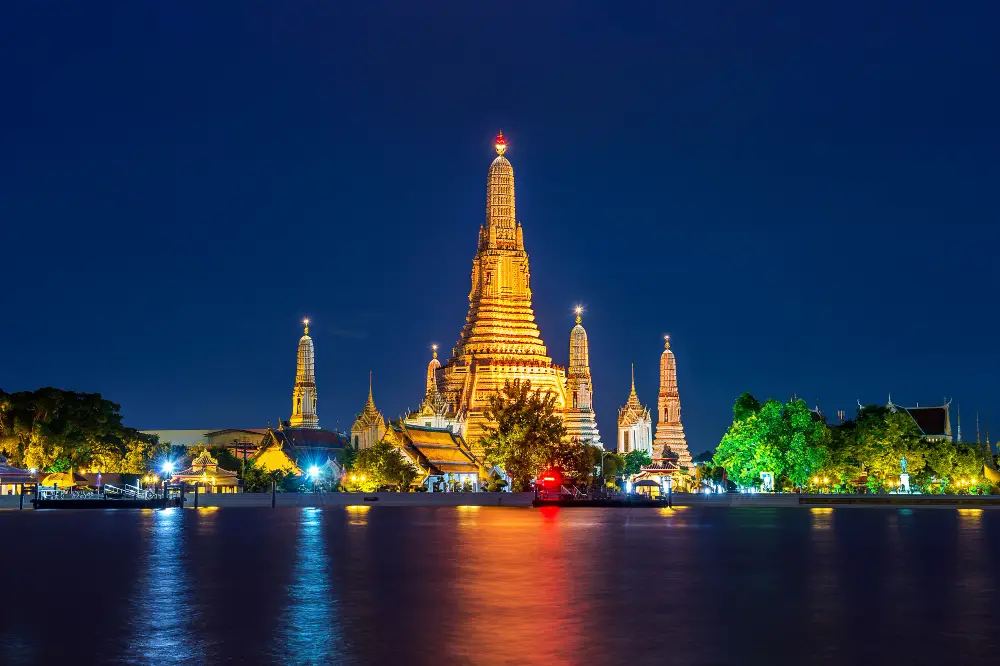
[(500, 341)]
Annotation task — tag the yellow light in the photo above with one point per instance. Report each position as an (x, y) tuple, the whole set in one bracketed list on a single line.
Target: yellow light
[(826, 480), (362, 477), (815, 479), (353, 478)]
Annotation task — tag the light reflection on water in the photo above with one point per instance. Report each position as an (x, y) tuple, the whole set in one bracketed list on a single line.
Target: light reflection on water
[(394, 585), (162, 617), (309, 628)]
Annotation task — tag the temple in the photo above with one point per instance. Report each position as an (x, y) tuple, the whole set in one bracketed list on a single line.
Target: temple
[(579, 417), (206, 473), (934, 423), (635, 427), (433, 411), (670, 441), (304, 394), (369, 426), (500, 341)]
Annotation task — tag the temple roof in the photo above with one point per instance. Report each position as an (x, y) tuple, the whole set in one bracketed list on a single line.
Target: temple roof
[(932, 421), (437, 450), (308, 438), (11, 474), (204, 465), (633, 410), (369, 415)]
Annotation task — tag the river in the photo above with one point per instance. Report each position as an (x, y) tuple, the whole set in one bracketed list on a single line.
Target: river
[(484, 585)]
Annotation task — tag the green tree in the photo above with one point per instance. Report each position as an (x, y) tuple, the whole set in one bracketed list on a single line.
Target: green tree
[(528, 433), (379, 466), (634, 461), (746, 406)]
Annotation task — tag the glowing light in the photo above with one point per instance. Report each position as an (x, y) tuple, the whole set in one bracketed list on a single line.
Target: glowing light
[(314, 472), (500, 143), (34, 470), (168, 467)]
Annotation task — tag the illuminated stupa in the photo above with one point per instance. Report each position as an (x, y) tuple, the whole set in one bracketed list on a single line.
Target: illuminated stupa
[(670, 437), (500, 341), (304, 394), (580, 420)]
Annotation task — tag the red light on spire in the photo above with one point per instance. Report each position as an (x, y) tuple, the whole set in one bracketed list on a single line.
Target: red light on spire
[(500, 143)]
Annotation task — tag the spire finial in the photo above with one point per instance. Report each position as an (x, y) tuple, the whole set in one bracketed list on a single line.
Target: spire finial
[(369, 384), (305, 323), (579, 311), (666, 341), (434, 348), (500, 143), (633, 377)]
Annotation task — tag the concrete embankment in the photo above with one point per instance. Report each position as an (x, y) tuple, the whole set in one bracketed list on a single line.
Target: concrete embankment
[(765, 500), (353, 499)]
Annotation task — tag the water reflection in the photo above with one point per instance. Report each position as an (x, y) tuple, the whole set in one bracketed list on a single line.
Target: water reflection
[(309, 629), (164, 625)]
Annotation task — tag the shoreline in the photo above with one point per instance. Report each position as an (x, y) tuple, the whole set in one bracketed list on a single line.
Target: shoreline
[(524, 500)]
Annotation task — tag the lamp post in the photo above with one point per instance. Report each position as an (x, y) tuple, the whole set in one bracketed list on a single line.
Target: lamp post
[(168, 470), (314, 474)]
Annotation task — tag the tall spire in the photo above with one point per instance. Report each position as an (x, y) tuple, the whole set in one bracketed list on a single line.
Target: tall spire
[(670, 439), (304, 393), (633, 377), (960, 423), (579, 418), (501, 218)]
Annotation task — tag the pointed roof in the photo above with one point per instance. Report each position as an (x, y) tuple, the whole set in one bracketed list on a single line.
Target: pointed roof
[(370, 414), (633, 410)]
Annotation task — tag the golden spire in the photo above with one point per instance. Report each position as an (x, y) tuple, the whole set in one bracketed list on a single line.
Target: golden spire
[(434, 348), (370, 386), (666, 342), (579, 311), (633, 378), (306, 323), (500, 143)]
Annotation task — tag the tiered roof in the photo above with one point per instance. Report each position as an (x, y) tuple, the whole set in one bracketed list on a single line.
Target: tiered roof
[(633, 411), (436, 450)]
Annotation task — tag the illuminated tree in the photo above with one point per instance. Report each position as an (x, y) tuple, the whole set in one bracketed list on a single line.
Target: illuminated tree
[(379, 466), (634, 461), (528, 433)]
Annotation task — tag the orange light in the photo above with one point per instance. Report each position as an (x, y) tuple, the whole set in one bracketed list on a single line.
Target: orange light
[(549, 478)]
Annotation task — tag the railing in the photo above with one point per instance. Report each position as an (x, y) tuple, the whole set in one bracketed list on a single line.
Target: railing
[(130, 492)]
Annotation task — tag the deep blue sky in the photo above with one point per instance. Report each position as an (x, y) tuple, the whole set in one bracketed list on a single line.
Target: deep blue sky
[(803, 194)]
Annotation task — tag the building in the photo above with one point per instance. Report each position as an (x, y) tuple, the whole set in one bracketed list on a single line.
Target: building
[(206, 473), (295, 450), (635, 427), (500, 341), (934, 423), (238, 440), (440, 456), (579, 417), (12, 478), (433, 411), (369, 425), (304, 393), (670, 442)]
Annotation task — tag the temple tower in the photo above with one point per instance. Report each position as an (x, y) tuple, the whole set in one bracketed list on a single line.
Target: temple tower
[(669, 431), (304, 394), (432, 394), (580, 420), (635, 427), (369, 426), (500, 340)]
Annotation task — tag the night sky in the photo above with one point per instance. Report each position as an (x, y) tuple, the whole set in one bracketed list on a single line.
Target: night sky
[(802, 194)]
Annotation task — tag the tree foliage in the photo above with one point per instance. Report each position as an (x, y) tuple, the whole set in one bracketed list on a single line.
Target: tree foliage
[(52, 430), (634, 461), (377, 467), (783, 439), (791, 442), (527, 435)]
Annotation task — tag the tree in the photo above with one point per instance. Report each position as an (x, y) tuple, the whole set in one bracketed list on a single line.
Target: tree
[(379, 466), (785, 440), (528, 433), (634, 461)]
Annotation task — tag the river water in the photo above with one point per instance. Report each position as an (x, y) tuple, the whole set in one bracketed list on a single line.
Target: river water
[(470, 585)]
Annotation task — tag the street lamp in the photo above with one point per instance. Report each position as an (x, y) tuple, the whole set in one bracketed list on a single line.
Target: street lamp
[(314, 474)]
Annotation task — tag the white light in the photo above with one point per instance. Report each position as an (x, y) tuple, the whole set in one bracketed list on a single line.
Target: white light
[(314, 472), (168, 467)]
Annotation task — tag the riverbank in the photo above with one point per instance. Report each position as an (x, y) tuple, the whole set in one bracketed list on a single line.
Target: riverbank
[(727, 500)]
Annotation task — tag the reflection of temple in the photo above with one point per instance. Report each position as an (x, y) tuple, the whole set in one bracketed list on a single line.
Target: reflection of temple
[(670, 443), (579, 417), (635, 427), (500, 341)]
